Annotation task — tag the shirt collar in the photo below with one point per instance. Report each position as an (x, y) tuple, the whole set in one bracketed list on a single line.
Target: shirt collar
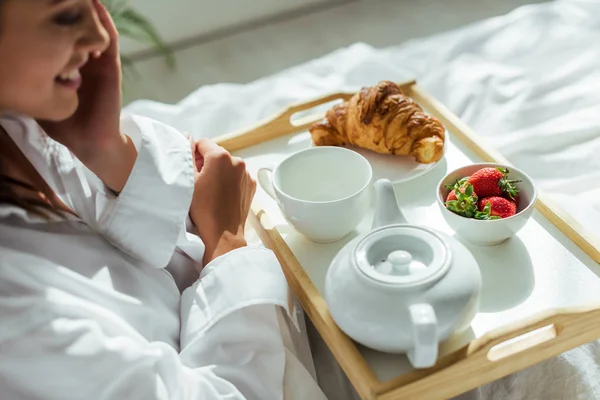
[(32, 140)]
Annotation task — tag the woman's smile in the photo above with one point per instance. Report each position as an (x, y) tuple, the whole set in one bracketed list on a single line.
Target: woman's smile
[(70, 80), (71, 77)]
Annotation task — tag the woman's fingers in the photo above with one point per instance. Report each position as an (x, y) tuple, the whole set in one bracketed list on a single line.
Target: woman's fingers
[(111, 29), (206, 147)]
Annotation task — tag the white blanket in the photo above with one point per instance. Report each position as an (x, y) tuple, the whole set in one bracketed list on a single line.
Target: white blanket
[(529, 82)]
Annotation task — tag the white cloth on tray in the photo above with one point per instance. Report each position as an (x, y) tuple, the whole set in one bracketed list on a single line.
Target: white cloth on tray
[(527, 81)]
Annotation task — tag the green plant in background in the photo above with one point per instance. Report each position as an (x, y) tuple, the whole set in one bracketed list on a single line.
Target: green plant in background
[(133, 25)]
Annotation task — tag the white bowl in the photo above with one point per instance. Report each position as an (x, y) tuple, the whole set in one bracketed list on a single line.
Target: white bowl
[(489, 232)]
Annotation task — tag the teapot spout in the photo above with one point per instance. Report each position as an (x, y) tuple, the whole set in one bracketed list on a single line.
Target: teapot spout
[(387, 211)]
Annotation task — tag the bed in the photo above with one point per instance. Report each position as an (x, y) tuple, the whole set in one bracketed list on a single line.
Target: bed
[(527, 81)]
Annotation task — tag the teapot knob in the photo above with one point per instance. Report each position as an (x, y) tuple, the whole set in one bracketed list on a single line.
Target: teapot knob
[(400, 261)]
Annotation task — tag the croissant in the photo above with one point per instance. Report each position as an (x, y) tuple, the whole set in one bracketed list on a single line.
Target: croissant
[(381, 118)]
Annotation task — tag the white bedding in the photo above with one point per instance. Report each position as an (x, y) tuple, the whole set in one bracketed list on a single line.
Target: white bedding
[(529, 82)]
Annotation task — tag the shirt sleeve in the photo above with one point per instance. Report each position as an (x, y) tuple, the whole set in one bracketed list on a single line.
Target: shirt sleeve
[(231, 347), (149, 219)]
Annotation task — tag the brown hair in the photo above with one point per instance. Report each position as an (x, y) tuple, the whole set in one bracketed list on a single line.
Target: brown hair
[(8, 195), (10, 189)]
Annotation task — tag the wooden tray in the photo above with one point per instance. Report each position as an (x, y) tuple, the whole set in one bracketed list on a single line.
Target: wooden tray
[(503, 341)]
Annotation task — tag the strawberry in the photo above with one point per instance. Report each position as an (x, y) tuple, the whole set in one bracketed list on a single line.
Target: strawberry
[(493, 182), (462, 200), (495, 207), (452, 194), (515, 199), (460, 183)]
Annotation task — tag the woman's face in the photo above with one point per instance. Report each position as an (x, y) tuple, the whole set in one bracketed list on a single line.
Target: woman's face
[(43, 44)]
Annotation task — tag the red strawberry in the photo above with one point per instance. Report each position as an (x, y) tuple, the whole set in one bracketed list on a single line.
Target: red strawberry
[(493, 182), (461, 183), (495, 207), (452, 194), (514, 200), (462, 200)]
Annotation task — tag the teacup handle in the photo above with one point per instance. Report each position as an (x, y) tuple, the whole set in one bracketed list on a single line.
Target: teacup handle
[(265, 179), (425, 336)]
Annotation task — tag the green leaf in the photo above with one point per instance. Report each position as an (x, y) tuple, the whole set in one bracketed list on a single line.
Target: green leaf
[(452, 186), (132, 24), (456, 185), (129, 67), (508, 186), (463, 205), (469, 190), (115, 7), (486, 213), (136, 26)]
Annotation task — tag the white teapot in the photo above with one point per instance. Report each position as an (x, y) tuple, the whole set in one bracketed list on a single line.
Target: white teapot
[(402, 288)]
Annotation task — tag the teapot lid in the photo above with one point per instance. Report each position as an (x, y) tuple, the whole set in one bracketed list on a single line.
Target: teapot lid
[(403, 255)]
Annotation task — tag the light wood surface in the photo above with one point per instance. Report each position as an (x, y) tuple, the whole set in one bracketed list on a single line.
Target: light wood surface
[(277, 126), (494, 356), (589, 243), (483, 360)]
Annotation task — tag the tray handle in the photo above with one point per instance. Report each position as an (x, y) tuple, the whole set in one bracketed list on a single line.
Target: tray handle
[(495, 354), (563, 324), (283, 124), (277, 126)]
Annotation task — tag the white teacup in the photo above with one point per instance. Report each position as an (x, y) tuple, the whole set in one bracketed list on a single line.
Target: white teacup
[(323, 192)]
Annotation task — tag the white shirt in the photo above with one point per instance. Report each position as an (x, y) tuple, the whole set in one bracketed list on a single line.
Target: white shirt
[(108, 305)]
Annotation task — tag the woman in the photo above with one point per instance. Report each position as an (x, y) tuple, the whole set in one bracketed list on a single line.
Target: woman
[(124, 272)]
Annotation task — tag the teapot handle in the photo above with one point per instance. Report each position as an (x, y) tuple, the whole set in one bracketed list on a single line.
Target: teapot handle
[(387, 211), (425, 336)]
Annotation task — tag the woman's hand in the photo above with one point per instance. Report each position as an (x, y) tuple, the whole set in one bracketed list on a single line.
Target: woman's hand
[(223, 194), (92, 133)]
